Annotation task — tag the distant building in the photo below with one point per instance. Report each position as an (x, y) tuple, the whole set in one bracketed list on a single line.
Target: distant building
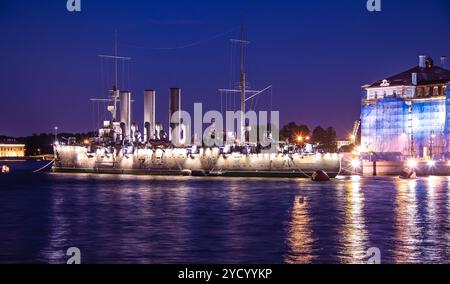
[(408, 114), (342, 143), (12, 150)]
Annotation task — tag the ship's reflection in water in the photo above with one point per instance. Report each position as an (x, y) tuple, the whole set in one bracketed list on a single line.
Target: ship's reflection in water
[(132, 219)]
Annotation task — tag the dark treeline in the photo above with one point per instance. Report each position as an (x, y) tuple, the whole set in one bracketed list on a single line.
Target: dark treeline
[(324, 138), (41, 144)]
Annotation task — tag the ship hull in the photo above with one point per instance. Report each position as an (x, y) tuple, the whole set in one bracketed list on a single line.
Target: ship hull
[(207, 162)]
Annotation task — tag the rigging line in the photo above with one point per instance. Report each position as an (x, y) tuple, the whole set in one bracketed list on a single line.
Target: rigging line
[(98, 114), (271, 100), (192, 44), (104, 112), (226, 102), (92, 113), (101, 75), (256, 103), (122, 75), (103, 83), (231, 66), (106, 66), (252, 104)]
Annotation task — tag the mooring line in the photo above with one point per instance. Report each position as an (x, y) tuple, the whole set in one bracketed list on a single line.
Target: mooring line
[(36, 171)]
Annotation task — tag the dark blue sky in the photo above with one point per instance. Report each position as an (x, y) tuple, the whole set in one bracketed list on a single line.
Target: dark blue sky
[(317, 54)]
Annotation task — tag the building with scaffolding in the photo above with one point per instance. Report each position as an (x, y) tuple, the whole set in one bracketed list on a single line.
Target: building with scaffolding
[(407, 115)]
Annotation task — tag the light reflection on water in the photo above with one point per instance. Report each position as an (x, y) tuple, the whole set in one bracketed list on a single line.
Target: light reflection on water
[(407, 232), (122, 219), (299, 238), (353, 231)]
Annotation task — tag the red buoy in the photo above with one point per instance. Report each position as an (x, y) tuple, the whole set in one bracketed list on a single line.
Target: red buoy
[(408, 174), (320, 176)]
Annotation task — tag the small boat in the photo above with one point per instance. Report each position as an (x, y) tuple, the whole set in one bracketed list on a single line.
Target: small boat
[(320, 176), (5, 169)]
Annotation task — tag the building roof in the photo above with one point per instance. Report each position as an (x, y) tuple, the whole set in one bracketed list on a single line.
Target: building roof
[(10, 142), (425, 75)]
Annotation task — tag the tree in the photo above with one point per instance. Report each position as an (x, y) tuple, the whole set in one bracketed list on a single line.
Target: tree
[(319, 135), (291, 131), (325, 139), (331, 140)]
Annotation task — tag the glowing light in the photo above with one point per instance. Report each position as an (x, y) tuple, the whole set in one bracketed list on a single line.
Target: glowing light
[(299, 138), (431, 163), (355, 178), (86, 141), (355, 163), (307, 138), (352, 137), (412, 163)]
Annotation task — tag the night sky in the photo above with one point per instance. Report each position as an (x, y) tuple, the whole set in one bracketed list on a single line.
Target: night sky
[(316, 54)]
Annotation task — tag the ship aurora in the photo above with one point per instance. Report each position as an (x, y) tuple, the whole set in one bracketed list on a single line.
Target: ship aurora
[(119, 147)]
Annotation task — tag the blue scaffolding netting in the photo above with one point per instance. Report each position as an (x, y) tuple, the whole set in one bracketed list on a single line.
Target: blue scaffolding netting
[(403, 127)]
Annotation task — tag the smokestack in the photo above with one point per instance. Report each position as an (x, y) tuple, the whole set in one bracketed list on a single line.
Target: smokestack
[(149, 115), (443, 60), (125, 113), (422, 61), (174, 106)]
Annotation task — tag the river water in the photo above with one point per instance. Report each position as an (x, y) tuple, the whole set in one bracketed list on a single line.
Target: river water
[(135, 219)]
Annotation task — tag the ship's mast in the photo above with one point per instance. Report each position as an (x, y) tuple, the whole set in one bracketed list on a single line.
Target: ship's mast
[(243, 84), (114, 94), (243, 81)]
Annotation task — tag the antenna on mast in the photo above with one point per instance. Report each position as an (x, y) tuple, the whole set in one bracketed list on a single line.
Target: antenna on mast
[(114, 93), (116, 58), (243, 80), (115, 54)]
